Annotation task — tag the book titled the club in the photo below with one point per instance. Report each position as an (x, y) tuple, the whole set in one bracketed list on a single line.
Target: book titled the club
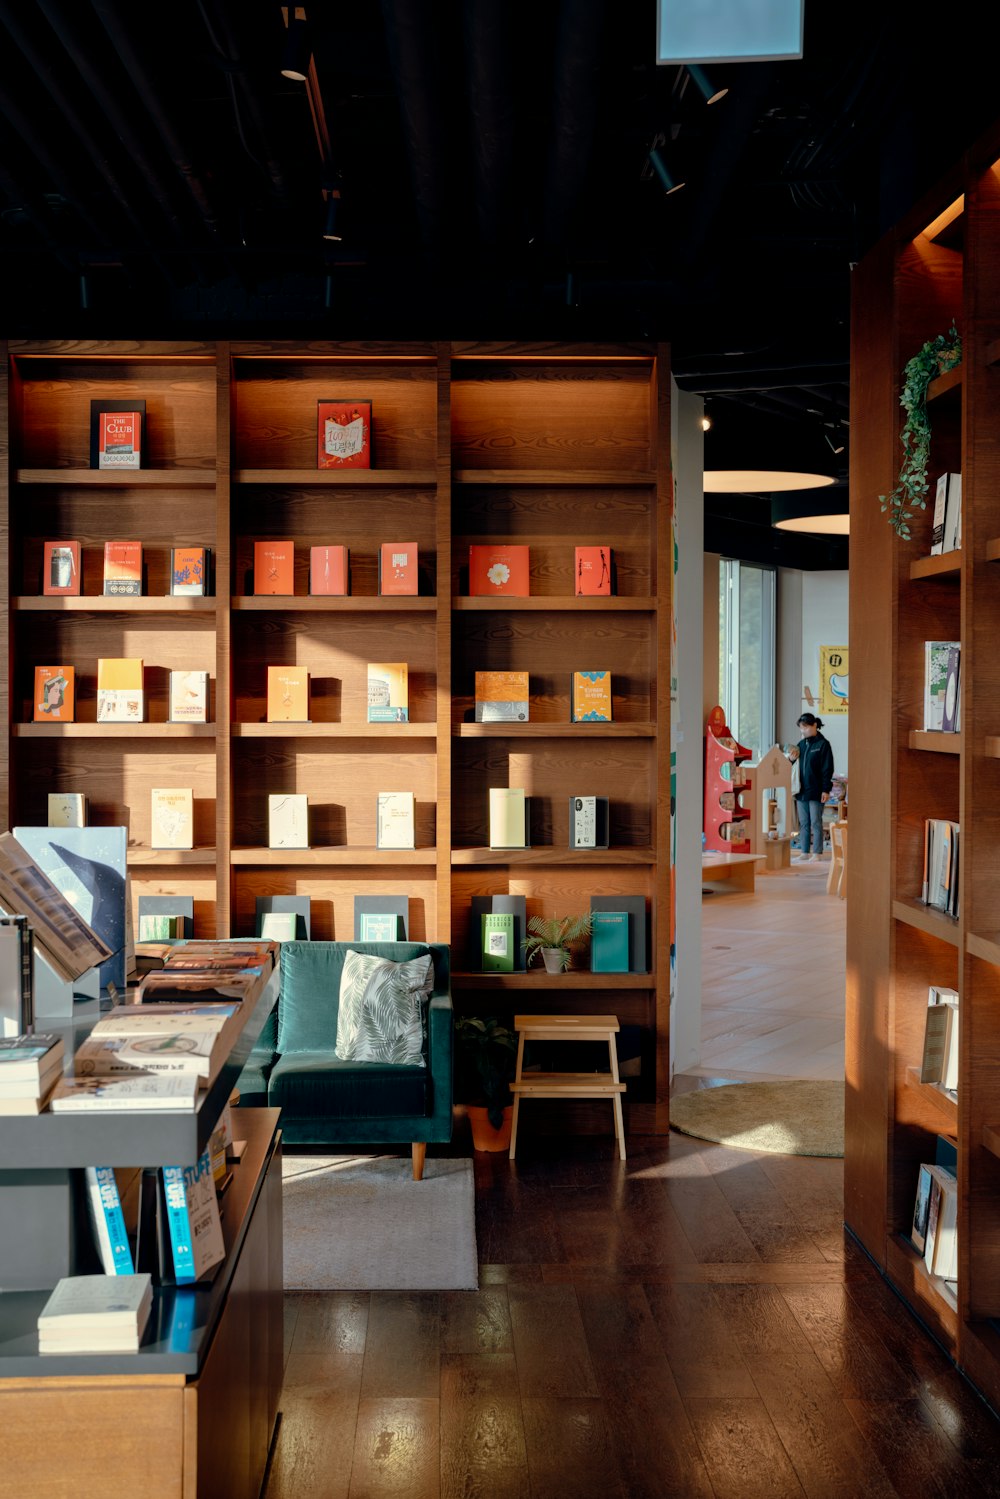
[(397, 568), (287, 694), (609, 945), (171, 821), (61, 571), (123, 569), (117, 435), (274, 567), (189, 571), (119, 690), (53, 700), (592, 571), (388, 692), (394, 820), (345, 434), (499, 571), (287, 821), (502, 697), (329, 570), (591, 697), (498, 941)]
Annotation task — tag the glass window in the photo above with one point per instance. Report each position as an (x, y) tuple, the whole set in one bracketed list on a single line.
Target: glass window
[(747, 651)]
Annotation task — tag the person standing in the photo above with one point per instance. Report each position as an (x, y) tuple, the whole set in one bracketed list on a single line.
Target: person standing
[(815, 763)]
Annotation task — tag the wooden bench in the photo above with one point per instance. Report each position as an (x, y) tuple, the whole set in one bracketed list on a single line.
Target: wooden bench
[(736, 870), (568, 1084)]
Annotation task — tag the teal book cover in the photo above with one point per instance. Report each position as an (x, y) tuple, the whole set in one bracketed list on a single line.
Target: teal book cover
[(379, 926), (609, 942), (498, 941)]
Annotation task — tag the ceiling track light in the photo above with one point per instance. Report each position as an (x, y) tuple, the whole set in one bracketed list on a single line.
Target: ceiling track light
[(298, 50), (703, 84), (667, 181)]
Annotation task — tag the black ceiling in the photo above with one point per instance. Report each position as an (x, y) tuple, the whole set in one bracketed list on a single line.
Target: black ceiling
[(157, 173)]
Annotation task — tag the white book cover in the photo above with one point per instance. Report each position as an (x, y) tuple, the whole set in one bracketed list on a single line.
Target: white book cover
[(189, 697), (188, 1052), (940, 513), (507, 819), (108, 1222), (85, 1095), (67, 809), (288, 821), (936, 681), (171, 817), (953, 515), (395, 820), (82, 1300), (584, 822), (147, 1020)]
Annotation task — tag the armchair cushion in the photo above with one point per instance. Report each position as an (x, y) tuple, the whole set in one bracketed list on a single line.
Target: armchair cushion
[(382, 1009), (310, 987), (319, 1085)]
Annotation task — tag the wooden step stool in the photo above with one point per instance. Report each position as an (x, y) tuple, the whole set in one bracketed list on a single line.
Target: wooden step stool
[(568, 1084)]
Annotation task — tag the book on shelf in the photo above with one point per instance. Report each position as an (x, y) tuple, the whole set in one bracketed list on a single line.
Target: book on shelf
[(635, 906), (279, 925), (29, 1060), (117, 434), (54, 696), (120, 696), (497, 941), (62, 574), (67, 809), (287, 694), (159, 927), (397, 568), (96, 1314), (287, 820), (382, 904), (174, 1093), (388, 692), (936, 654), (940, 882), (171, 817), (588, 821), (88, 866), (937, 520), (592, 571), (395, 820), (189, 571), (941, 1241), (502, 697), (939, 1063), (274, 567), (188, 697), (345, 434), (502, 571), (299, 906), (180, 1050), (946, 526), (591, 697), (508, 817), (379, 926), (329, 570), (179, 908), (481, 905), (921, 1208), (104, 1206), (60, 933), (17, 978), (123, 569), (951, 711), (193, 1220), (609, 942), (159, 1020)]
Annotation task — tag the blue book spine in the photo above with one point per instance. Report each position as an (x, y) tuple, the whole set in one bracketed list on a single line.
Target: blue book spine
[(178, 1223), (114, 1220)]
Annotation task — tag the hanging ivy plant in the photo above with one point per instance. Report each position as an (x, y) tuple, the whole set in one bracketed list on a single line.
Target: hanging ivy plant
[(937, 355)]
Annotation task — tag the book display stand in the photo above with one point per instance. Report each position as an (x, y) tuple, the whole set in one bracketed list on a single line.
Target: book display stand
[(729, 813)]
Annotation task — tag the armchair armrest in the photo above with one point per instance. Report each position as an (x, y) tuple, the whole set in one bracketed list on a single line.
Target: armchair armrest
[(440, 1052), (253, 1080)]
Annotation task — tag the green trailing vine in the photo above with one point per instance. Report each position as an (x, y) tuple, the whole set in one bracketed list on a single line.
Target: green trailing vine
[(937, 355)]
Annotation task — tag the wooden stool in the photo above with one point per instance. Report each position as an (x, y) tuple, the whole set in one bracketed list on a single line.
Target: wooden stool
[(568, 1084), (836, 880)]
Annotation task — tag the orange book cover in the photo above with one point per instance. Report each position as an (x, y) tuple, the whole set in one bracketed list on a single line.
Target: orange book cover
[(54, 690), (123, 569), (591, 697), (397, 567), (274, 567), (592, 571), (345, 434), (120, 689), (328, 570), (61, 568), (287, 694), (499, 570), (501, 696)]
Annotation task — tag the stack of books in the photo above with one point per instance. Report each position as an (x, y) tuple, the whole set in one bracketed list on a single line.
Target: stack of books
[(189, 1040), (96, 1314), (30, 1067)]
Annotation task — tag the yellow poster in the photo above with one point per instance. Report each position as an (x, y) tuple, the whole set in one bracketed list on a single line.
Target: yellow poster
[(833, 690)]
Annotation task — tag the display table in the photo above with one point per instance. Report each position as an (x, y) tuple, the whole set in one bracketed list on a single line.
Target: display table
[(736, 870)]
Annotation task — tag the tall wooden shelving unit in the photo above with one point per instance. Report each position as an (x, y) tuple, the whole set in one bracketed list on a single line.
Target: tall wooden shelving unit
[(550, 445), (908, 289)]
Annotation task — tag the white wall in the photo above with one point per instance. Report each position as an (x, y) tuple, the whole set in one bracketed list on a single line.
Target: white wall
[(812, 611)]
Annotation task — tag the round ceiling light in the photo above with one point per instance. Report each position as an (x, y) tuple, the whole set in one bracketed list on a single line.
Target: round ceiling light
[(761, 481), (812, 513)]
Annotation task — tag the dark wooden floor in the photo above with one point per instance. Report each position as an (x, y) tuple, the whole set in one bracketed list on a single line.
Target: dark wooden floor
[(690, 1322)]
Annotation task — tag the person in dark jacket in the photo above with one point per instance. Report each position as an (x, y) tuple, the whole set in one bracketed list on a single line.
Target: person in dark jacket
[(815, 759)]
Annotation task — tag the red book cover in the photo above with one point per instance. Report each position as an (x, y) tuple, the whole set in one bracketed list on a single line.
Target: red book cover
[(328, 570), (119, 439), (499, 570), (592, 571), (274, 567), (345, 434), (397, 567), (54, 689), (61, 568), (123, 569)]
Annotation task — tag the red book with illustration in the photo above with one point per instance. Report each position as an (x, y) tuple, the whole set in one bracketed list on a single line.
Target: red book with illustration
[(61, 567), (397, 567), (54, 692), (117, 438), (123, 569), (345, 434), (499, 570), (328, 569), (274, 567), (592, 571)]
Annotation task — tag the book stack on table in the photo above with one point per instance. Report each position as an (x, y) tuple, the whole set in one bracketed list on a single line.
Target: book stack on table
[(30, 1067), (96, 1314)]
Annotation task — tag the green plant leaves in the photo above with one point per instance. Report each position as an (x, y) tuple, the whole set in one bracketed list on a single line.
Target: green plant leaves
[(934, 358)]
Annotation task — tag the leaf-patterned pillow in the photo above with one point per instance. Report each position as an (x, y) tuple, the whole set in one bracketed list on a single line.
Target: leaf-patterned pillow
[(382, 1006)]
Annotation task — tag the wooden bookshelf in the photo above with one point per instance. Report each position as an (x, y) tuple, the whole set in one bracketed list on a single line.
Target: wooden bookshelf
[(907, 290), (472, 442)]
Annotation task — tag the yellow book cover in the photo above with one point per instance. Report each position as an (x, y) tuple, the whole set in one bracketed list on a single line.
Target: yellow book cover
[(591, 697), (501, 697), (171, 823), (119, 690), (287, 694), (388, 693), (508, 828)]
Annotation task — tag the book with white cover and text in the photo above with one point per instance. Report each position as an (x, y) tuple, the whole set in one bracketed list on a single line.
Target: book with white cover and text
[(108, 1221), (193, 1220), (176, 1093)]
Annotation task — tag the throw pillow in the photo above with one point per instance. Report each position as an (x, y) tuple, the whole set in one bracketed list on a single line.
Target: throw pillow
[(382, 1007)]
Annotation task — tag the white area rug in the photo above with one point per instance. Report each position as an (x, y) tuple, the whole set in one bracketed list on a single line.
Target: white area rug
[(361, 1223)]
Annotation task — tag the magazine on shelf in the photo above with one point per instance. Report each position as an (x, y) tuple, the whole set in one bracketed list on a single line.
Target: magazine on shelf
[(108, 1221), (193, 1221)]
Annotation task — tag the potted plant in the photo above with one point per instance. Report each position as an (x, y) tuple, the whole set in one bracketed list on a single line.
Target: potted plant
[(553, 937), (485, 1053), (934, 358)]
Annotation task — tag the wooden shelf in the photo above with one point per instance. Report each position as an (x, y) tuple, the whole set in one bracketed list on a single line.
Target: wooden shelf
[(927, 919), (986, 947), (172, 857), (553, 477), (614, 730), (567, 856), (617, 603), (993, 550), (946, 384), (991, 747), (114, 730), (86, 604), (332, 604), (334, 731), (339, 855), (136, 478), (907, 1270), (537, 978), (991, 1138), (372, 478), (942, 565), (937, 743), (936, 1096)]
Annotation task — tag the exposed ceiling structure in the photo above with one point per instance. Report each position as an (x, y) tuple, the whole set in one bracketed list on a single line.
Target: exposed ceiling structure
[(488, 164)]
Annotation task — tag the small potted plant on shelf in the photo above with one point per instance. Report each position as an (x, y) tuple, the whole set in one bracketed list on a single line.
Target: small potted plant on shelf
[(485, 1052), (553, 938)]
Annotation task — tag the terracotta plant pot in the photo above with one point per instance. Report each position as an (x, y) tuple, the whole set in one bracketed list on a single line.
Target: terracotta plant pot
[(552, 957), (484, 1136)]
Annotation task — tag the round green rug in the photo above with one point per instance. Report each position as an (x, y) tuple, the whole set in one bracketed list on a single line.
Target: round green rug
[(785, 1118)]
